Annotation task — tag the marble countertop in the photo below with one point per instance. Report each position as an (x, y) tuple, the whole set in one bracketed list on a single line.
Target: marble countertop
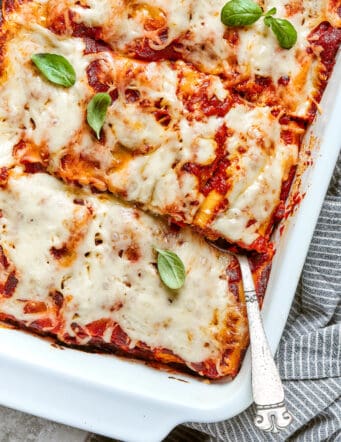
[(22, 427)]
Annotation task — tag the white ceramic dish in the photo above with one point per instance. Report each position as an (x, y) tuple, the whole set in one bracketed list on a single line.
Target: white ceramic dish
[(133, 402)]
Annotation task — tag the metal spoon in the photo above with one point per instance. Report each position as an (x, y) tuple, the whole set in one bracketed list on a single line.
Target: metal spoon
[(268, 394)]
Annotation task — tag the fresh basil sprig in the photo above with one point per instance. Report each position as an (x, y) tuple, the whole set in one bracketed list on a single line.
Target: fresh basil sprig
[(271, 11), (247, 12), (97, 110), (285, 32), (55, 68), (171, 269), (240, 13)]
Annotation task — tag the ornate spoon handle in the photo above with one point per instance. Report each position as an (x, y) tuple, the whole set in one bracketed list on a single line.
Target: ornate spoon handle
[(271, 412)]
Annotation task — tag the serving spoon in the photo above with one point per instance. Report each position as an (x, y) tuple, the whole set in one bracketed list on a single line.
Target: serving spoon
[(268, 394), (272, 414)]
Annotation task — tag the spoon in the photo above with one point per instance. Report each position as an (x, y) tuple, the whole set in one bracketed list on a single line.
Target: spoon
[(268, 394), (267, 389)]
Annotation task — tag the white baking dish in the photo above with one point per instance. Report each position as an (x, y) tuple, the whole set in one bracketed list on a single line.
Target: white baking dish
[(133, 402)]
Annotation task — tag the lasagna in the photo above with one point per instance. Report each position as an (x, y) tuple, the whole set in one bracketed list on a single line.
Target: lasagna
[(199, 143), (82, 267)]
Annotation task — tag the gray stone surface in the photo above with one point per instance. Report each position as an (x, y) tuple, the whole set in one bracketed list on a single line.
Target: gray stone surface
[(21, 427)]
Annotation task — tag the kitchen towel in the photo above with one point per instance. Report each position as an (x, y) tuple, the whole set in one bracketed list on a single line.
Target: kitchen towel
[(309, 354)]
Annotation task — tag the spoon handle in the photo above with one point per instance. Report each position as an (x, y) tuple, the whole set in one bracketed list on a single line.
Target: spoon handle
[(268, 394)]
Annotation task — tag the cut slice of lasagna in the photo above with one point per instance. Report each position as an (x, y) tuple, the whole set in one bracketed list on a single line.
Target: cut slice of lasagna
[(82, 267)]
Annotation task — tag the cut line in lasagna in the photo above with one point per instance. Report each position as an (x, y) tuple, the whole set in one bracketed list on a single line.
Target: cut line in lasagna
[(82, 267), (203, 132)]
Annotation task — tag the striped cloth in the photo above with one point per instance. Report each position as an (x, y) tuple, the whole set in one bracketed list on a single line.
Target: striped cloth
[(309, 354)]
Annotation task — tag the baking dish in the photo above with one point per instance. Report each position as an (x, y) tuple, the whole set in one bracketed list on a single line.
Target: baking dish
[(134, 402)]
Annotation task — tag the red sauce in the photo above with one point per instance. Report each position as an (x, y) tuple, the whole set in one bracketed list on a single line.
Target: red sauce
[(79, 201), (231, 36), (287, 136), (94, 46), (90, 35), (262, 280), (10, 285), (234, 277), (119, 337), (207, 368), (131, 95), (329, 38), (3, 259), (218, 182), (33, 167), (97, 328), (10, 5), (258, 260), (3, 176), (286, 185), (294, 203), (264, 82), (254, 90), (60, 252), (260, 264), (95, 77), (41, 324), (213, 176), (34, 158), (261, 244), (58, 25), (79, 331), (142, 51), (284, 80), (133, 253), (58, 298), (81, 31), (251, 222), (208, 106), (214, 106), (3, 40), (279, 212), (163, 117)]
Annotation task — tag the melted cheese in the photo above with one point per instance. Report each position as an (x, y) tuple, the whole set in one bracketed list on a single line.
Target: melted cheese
[(157, 125), (196, 26), (142, 158), (131, 19), (39, 213), (31, 106)]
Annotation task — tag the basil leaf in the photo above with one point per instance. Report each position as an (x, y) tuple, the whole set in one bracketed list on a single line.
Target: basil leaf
[(271, 12), (55, 68), (171, 269), (285, 32), (97, 110), (240, 13)]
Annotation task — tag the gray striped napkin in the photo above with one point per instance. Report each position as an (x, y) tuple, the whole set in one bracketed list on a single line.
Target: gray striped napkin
[(309, 354)]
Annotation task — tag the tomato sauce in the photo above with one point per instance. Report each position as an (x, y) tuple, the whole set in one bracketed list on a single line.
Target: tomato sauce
[(213, 176), (10, 285), (95, 77), (141, 50)]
